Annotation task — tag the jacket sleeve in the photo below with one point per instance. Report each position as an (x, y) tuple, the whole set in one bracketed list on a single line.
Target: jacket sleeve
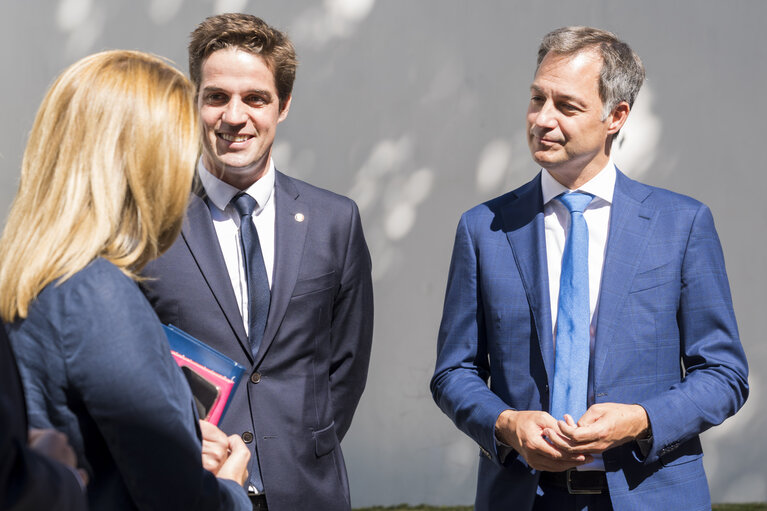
[(459, 385), (352, 327), (119, 360), (714, 384)]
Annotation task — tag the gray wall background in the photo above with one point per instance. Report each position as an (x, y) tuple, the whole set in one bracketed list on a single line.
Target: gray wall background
[(416, 110)]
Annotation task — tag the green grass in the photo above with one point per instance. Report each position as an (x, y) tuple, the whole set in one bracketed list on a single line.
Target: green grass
[(404, 507), (422, 507), (753, 506)]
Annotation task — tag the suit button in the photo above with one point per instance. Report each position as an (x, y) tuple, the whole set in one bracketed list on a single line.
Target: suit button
[(247, 437), (255, 377)]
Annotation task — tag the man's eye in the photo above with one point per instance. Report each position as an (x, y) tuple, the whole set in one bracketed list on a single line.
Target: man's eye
[(256, 100), (216, 98)]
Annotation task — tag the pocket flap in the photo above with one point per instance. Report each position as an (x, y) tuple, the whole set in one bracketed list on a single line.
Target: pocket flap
[(654, 277), (312, 284), (325, 440)]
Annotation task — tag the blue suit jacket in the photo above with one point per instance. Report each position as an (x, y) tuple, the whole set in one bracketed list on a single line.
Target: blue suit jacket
[(664, 299), (305, 382), (96, 365)]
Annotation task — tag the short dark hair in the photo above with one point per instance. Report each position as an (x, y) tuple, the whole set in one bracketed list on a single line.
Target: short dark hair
[(622, 71), (248, 33)]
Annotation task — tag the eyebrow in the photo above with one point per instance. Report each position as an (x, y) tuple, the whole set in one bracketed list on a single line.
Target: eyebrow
[(565, 97), (213, 88)]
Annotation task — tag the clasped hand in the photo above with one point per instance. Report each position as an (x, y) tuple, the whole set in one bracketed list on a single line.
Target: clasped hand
[(554, 446)]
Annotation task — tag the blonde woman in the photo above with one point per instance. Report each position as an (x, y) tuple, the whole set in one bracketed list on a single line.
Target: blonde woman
[(104, 186)]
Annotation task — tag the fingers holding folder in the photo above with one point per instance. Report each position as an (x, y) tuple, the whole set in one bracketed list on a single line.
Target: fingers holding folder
[(225, 456)]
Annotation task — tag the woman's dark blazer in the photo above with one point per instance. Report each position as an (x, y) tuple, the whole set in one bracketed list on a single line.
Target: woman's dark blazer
[(96, 365)]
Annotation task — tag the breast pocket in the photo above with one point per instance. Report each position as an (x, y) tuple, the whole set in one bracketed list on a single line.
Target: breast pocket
[(315, 284), (654, 277)]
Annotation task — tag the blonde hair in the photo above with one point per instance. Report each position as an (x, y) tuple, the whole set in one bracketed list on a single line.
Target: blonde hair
[(106, 173)]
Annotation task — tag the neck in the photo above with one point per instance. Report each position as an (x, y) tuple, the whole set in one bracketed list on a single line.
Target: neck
[(239, 177), (574, 176)]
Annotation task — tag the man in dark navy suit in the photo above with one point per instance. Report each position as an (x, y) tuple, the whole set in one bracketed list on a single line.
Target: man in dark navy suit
[(597, 309), (271, 271)]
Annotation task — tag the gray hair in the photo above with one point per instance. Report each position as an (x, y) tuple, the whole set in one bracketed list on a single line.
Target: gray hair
[(622, 71)]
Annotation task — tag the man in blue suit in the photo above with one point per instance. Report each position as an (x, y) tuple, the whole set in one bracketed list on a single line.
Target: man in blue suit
[(586, 380), (271, 271)]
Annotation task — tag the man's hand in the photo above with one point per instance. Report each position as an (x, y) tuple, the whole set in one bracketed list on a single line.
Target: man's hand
[(55, 445), (526, 432), (602, 427), (215, 447)]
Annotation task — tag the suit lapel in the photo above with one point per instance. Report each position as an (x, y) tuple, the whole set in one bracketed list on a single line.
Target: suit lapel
[(630, 229), (289, 236), (523, 223), (200, 236)]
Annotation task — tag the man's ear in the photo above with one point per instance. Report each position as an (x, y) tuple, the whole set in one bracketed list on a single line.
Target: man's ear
[(617, 118), (285, 109)]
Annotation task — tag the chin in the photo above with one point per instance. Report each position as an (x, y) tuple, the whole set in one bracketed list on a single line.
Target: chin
[(545, 160), (238, 163)]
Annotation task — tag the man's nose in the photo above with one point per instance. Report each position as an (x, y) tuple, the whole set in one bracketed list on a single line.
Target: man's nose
[(234, 112), (546, 116)]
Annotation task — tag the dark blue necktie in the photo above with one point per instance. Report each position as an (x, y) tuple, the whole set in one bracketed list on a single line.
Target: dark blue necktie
[(571, 365), (259, 295)]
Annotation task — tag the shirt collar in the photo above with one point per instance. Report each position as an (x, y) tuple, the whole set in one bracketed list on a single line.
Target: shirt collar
[(602, 185), (221, 193)]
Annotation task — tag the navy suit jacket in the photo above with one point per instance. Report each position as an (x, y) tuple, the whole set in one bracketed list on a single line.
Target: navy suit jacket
[(305, 382), (28, 480), (96, 366), (666, 339)]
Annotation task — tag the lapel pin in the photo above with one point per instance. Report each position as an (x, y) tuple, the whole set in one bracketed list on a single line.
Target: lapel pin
[(299, 217)]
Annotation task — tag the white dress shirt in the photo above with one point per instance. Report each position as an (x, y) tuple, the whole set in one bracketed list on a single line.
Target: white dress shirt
[(557, 224), (226, 222)]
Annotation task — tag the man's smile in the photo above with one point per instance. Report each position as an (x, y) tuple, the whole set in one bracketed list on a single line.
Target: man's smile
[(234, 138)]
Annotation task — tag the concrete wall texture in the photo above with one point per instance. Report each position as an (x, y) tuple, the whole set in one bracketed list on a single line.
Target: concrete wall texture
[(416, 110)]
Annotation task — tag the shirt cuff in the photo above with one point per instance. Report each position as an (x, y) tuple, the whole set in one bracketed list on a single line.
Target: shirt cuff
[(645, 445), (502, 449)]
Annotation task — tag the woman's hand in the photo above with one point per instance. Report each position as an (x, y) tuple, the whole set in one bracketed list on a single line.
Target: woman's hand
[(215, 447), (236, 465)]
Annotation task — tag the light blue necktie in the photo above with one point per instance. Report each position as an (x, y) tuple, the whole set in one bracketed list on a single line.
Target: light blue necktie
[(571, 364)]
